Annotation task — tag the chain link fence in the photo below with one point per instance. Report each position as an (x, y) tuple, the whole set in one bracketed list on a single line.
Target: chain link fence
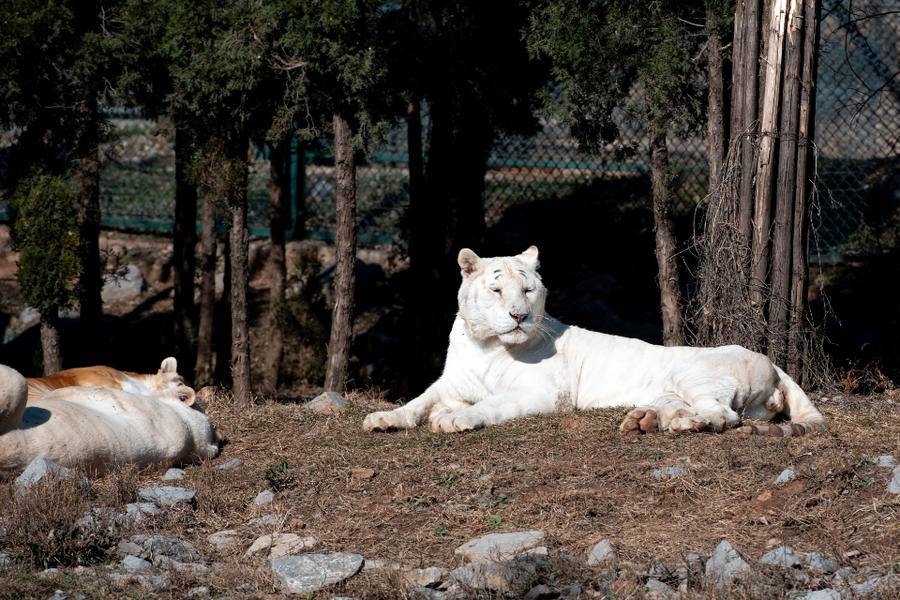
[(858, 132)]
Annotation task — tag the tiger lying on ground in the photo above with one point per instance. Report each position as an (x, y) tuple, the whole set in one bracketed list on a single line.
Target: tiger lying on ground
[(508, 359), (97, 417)]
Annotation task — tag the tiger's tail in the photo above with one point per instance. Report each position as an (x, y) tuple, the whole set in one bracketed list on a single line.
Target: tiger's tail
[(805, 417)]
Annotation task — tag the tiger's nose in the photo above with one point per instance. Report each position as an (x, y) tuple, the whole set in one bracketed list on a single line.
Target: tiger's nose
[(518, 317)]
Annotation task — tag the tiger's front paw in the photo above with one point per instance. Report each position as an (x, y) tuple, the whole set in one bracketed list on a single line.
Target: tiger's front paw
[(386, 420), (452, 422), (638, 421)]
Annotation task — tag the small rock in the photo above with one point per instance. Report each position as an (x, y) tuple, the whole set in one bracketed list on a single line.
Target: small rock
[(267, 519), (310, 572), (541, 592), (5, 561), (602, 554), (658, 590), (224, 539), (126, 547), (59, 595), (229, 465), (280, 544), (785, 476), (726, 565), (166, 495), (668, 472), (424, 593), (49, 573), (136, 564), (126, 284), (39, 469), (362, 473), (885, 460), (135, 512), (429, 578), (819, 562), (512, 576), (894, 485), (826, 594), (201, 591), (184, 568), (173, 474), (327, 403), (151, 582), (500, 546), (264, 497), (156, 546), (781, 557), (869, 586), (250, 586)]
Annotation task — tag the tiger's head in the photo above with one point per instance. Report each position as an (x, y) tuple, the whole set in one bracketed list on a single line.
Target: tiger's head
[(501, 297)]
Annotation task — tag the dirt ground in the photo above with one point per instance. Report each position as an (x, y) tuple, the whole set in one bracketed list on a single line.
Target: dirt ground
[(572, 476)]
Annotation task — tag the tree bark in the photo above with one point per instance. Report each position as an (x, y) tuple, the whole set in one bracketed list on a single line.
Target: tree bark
[(783, 226), (278, 196), (747, 107), (87, 179), (208, 240), (52, 357), (717, 135), (799, 248), (345, 241), (222, 332), (184, 241), (239, 239), (670, 296), (762, 205)]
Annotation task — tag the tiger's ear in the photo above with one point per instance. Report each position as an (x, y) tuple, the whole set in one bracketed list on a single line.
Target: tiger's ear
[(530, 257), (186, 395), (169, 365), (468, 262)]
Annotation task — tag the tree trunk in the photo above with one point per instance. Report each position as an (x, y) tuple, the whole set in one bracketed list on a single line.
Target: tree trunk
[(744, 89), (278, 195), (52, 356), (345, 241), (208, 239), (239, 239), (799, 248), (184, 241), (87, 178), (717, 136), (762, 205), (222, 331), (670, 297), (783, 231)]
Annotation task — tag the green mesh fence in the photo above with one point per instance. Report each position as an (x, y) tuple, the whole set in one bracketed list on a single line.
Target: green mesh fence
[(857, 131)]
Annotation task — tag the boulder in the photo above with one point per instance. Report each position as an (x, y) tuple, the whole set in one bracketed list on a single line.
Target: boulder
[(166, 495), (500, 547), (726, 565), (308, 573)]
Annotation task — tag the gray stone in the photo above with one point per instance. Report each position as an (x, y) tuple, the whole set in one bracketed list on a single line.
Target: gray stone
[(135, 512), (151, 582), (40, 469), (184, 568), (234, 463), (135, 564), (541, 592), (327, 403), (819, 562), (826, 594), (429, 578), (225, 538), (872, 585), (5, 561), (500, 546), (173, 474), (886, 460), (658, 590), (128, 547), (783, 556), (125, 285), (166, 495), (424, 593), (785, 476), (250, 586), (201, 591), (310, 572), (49, 573), (668, 472), (602, 554), (280, 544), (155, 546), (267, 519), (59, 595), (512, 576), (264, 497), (894, 485), (726, 565)]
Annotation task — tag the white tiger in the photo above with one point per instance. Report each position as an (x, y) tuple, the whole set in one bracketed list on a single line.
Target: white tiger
[(98, 417), (508, 359)]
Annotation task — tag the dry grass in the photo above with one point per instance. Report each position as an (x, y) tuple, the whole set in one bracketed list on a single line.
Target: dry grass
[(570, 475)]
